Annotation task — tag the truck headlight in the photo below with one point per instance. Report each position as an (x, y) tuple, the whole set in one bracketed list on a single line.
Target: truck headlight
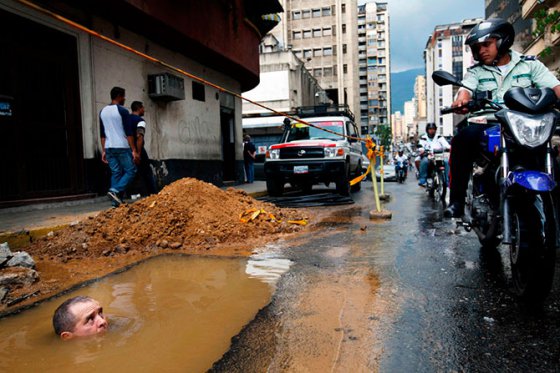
[(273, 154), (333, 152)]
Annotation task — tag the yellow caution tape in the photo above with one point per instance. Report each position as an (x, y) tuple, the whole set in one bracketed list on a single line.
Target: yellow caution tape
[(370, 145), (298, 222)]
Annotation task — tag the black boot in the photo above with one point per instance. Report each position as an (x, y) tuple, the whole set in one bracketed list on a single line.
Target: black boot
[(455, 210)]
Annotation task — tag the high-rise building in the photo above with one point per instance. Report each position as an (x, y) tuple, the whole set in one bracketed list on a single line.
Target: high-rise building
[(445, 50), (324, 35), (420, 104), (374, 66)]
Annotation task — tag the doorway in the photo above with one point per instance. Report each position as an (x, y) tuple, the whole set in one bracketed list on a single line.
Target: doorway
[(40, 119), (227, 122)]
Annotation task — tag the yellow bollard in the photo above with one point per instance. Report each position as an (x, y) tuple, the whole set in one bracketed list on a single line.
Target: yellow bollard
[(374, 179)]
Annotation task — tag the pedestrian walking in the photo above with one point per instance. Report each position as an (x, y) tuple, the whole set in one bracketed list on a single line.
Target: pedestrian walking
[(118, 147), (138, 125), (249, 154)]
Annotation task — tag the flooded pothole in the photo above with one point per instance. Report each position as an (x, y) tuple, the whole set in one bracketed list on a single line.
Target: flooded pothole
[(167, 314)]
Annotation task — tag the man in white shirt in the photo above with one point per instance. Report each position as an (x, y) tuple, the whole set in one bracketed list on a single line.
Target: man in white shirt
[(117, 141)]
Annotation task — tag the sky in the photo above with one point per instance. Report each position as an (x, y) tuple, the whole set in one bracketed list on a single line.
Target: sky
[(412, 21)]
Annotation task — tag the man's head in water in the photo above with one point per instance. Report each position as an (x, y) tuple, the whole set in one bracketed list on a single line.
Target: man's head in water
[(79, 317)]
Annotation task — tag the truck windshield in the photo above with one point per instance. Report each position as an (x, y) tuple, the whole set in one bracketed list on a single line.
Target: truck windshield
[(300, 131)]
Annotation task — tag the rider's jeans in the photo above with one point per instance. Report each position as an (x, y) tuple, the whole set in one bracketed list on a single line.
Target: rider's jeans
[(424, 163)]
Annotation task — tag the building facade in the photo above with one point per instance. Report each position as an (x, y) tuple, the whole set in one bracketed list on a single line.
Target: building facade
[(546, 43), (57, 78), (374, 67), (445, 50), (511, 11), (324, 35), (420, 104)]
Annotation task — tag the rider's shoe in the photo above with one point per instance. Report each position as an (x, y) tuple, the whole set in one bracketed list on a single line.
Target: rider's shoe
[(455, 210)]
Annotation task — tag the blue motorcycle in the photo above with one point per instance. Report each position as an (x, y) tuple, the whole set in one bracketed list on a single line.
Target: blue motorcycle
[(511, 195)]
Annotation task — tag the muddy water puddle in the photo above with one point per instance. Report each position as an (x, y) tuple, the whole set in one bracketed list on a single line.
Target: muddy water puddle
[(166, 314)]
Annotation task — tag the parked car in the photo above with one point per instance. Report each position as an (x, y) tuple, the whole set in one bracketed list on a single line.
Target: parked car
[(308, 155), (389, 173)]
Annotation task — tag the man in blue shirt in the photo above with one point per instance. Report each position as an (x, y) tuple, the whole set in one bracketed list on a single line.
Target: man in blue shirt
[(138, 125), (118, 148)]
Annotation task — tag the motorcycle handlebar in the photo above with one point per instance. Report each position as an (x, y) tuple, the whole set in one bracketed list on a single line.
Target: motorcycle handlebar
[(446, 110)]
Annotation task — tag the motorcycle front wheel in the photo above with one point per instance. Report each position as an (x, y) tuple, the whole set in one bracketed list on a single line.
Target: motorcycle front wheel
[(533, 248)]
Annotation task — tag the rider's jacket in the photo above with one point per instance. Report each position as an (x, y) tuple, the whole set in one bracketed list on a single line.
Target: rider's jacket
[(438, 142), (401, 158), (526, 71)]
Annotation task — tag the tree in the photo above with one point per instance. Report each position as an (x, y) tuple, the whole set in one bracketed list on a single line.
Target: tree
[(546, 22)]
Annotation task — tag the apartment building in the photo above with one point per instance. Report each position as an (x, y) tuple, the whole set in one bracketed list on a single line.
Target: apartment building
[(374, 65), (420, 104), (445, 50), (324, 35)]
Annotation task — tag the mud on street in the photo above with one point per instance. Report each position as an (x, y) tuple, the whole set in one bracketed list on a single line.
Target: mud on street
[(186, 217)]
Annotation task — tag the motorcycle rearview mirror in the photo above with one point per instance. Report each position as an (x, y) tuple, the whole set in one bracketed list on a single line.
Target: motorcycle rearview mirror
[(442, 78)]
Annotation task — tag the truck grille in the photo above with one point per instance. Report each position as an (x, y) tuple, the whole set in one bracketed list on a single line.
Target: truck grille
[(302, 153)]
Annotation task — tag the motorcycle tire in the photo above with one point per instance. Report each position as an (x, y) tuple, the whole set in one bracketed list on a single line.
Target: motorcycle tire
[(441, 187), (533, 248)]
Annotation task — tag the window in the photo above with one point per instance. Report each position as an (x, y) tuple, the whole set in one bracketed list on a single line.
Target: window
[(306, 34), (343, 8), (306, 53), (297, 34), (327, 51), (326, 11), (327, 31), (344, 28), (316, 13), (327, 71), (296, 14), (306, 13), (317, 72), (334, 29), (198, 91), (317, 52), (440, 53), (345, 69), (316, 32), (344, 48)]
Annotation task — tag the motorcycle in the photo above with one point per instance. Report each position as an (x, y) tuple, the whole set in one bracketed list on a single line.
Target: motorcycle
[(401, 168), (510, 196), (436, 182)]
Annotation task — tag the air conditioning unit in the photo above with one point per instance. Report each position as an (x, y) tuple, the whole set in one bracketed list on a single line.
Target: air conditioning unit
[(166, 87)]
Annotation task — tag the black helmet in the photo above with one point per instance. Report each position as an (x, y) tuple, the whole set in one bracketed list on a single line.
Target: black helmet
[(430, 125), (491, 28)]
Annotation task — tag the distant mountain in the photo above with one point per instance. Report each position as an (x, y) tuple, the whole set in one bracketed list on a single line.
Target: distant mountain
[(402, 88)]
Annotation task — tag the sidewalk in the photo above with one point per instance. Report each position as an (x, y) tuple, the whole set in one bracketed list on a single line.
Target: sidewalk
[(21, 225)]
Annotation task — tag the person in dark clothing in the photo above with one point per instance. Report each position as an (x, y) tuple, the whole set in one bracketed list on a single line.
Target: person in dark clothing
[(249, 154), (138, 125)]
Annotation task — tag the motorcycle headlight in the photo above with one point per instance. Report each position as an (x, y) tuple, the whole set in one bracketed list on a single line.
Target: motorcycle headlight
[(531, 130), (273, 154)]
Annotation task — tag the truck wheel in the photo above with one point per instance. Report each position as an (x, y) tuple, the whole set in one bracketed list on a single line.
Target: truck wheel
[(342, 184), (274, 187)]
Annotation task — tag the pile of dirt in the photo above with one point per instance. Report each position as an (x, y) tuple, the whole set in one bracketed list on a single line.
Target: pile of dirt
[(188, 217), (188, 214)]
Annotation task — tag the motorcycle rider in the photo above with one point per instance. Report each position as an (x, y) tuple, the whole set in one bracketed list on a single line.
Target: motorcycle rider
[(498, 69), (430, 141), (401, 158)]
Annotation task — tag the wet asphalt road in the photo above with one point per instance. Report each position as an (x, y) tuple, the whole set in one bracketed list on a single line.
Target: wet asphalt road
[(413, 294)]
